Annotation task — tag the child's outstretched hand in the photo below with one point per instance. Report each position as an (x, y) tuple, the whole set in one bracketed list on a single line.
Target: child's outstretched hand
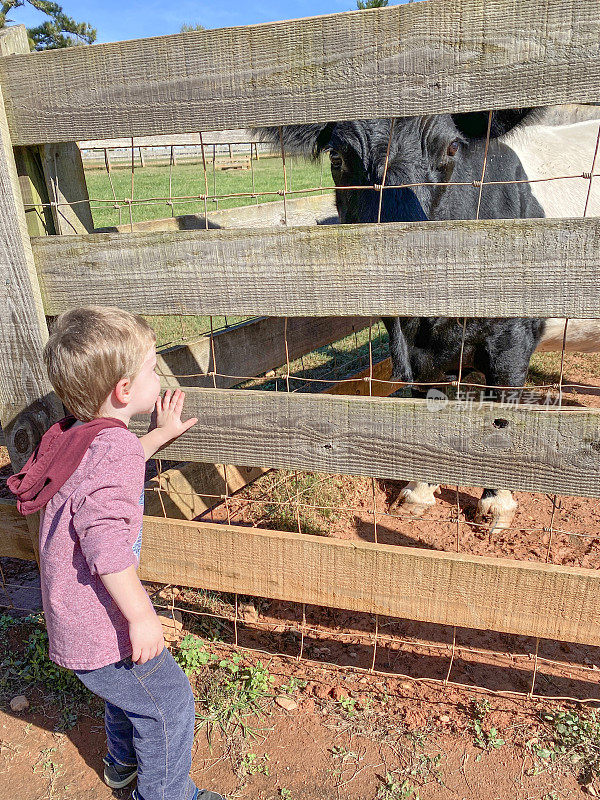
[(167, 415)]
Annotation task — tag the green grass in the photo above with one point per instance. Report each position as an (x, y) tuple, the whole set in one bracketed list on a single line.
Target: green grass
[(188, 180), (25, 666), (230, 690), (172, 330)]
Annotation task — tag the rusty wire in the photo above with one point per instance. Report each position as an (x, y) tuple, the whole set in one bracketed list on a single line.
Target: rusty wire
[(377, 637)]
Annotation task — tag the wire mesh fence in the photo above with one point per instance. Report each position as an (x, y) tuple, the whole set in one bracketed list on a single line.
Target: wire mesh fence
[(553, 529)]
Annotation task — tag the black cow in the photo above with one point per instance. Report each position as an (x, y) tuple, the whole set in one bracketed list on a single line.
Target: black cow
[(425, 153)]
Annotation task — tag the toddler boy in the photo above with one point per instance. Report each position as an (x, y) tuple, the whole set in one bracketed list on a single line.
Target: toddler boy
[(87, 480)]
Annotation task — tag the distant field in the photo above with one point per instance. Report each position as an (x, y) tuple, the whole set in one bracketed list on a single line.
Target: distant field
[(187, 180)]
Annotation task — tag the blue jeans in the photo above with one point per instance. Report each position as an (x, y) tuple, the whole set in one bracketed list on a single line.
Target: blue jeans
[(149, 719)]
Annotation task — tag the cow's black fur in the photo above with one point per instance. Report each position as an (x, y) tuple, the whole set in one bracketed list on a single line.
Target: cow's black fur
[(426, 348)]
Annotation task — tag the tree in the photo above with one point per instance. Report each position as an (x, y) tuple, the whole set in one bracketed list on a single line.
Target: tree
[(59, 31), (187, 28), (362, 5)]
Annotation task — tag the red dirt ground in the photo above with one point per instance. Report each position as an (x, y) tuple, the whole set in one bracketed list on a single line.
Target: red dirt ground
[(315, 751)]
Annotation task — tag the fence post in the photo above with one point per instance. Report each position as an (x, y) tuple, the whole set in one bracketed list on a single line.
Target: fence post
[(27, 404), (34, 191), (65, 182)]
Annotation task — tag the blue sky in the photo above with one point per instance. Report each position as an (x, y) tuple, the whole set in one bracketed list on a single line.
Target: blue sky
[(132, 19)]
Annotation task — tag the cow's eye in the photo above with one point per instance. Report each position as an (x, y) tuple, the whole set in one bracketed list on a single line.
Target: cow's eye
[(336, 159), (453, 148)]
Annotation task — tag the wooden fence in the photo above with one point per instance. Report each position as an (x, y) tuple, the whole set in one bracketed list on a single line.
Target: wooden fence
[(425, 57)]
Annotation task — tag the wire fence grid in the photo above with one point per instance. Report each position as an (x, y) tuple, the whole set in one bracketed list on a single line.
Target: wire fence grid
[(295, 377)]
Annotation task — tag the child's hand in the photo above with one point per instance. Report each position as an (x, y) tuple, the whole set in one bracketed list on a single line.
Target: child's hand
[(167, 415), (146, 636)]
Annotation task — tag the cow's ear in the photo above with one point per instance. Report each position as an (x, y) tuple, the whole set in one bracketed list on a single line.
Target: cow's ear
[(307, 140), (474, 124)]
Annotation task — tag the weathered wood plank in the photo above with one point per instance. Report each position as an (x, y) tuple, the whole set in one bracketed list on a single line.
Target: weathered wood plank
[(359, 384), (486, 268), (479, 592), (537, 450), (15, 541), (250, 349), (27, 404), (67, 188), (34, 191), (485, 593), (408, 59), (187, 491)]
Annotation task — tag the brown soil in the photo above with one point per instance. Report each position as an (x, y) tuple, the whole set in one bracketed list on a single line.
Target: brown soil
[(315, 751)]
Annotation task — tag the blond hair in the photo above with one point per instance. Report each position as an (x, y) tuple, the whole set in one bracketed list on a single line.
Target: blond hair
[(90, 350)]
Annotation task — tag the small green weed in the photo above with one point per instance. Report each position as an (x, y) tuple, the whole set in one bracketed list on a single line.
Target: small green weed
[(425, 768), (293, 685), (486, 740), (67, 719), (419, 736), (392, 789), (285, 794), (230, 690), (348, 705), (574, 740), (6, 622), (29, 663), (49, 768), (255, 765), (191, 655)]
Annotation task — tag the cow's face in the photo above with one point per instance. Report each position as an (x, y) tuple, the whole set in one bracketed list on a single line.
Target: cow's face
[(423, 153)]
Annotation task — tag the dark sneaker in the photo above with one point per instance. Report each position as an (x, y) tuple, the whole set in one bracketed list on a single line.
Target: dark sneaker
[(201, 794), (117, 775)]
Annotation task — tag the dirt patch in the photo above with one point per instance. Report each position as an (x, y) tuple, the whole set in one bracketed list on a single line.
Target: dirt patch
[(546, 529), (349, 736)]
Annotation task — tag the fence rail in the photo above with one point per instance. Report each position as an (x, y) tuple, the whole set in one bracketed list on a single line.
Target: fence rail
[(421, 58), (478, 592), (498, 445), (489, 268)]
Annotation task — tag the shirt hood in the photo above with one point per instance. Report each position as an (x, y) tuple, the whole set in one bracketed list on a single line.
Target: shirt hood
[(54, 460)]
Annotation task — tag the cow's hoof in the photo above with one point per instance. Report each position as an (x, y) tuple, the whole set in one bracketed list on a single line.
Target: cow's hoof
[(415, 498), (496, 512)]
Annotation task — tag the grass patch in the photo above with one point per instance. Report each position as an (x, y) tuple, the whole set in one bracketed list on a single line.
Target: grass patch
[(24, 664), (280, 495), (173, 329), (326, 493), (187, 180), (230, 691)]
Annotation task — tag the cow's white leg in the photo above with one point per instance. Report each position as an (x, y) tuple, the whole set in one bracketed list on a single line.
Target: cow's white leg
[(416, 497), (498, 509)]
